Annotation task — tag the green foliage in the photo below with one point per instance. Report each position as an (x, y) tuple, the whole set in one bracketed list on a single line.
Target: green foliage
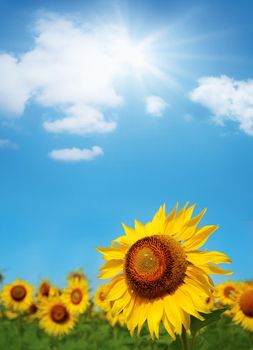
[(96, 334)]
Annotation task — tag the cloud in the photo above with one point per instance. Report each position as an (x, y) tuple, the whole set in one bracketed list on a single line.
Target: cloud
[(155, 105), (5, 143), (227, 99), (80, 120), (70, 68), (76, 154)]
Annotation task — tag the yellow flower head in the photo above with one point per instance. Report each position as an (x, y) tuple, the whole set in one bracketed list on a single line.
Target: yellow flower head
[(76, 296), (100, 298), (54, 317), (17, 296), (242, 309), (77, 275), (46, 290), (225, 292), (158, 273)]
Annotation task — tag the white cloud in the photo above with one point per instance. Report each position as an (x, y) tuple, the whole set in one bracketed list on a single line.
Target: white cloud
[(155, 105), (80, 120), (227, 99), (70, 67), (5, 143), (76, 154)]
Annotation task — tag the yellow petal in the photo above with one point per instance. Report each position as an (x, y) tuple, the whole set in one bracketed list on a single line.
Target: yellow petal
[(155, 316), (117, 290), (111, 267), (121, 303), (184, 301), (201, 257), (145, 310), (201, 236), (168, 326), (173, 313), (116, 252), (190, 226), (215, 270)]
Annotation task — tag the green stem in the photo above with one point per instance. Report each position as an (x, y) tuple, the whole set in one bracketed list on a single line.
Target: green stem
[(192, 342), (184, 340)]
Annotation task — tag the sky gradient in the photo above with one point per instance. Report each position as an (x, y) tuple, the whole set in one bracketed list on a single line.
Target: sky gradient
[(91, 137)]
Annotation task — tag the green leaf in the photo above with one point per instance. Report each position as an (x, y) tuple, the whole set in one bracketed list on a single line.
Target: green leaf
[(197, 324)]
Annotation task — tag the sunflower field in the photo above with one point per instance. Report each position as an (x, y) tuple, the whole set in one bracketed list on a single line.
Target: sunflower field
[(158, 295)]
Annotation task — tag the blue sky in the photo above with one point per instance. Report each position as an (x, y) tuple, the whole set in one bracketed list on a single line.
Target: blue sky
[(108, 110)]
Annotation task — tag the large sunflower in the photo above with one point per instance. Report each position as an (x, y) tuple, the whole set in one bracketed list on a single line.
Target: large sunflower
[(158, 273), (225, 292), (17, 296), (242, 309), (76, 296), (54, 317)]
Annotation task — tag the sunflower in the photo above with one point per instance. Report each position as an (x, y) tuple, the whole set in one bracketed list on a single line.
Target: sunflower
[(76, 296), (46, 290), (242, 309), (17, 296), (79, 275), (100, 298), (225, 292), (158, 273), (54, 317), (210, 303)]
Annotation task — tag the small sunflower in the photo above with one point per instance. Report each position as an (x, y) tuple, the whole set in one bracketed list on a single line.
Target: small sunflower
[(225, 292), (76, 296), (54, 317), (100, 298), (17, 296), (77, 275), (242, 309), (158, 273), (46, 290), (210, 303)]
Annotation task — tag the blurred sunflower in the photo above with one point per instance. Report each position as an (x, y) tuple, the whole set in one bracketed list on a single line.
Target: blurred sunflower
[(54, 317), (46, 290), (225, 292), (158, 273), (242, 309), (76, 296), (210, 303), (100, 299), (79, 275), (17, 296)]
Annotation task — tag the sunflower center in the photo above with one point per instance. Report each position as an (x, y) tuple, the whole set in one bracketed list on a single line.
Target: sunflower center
[(228, 291), (155, 266), (246, 303), (18, 293), (45, 289), (76, 296), (59, 314), (33, 309)]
